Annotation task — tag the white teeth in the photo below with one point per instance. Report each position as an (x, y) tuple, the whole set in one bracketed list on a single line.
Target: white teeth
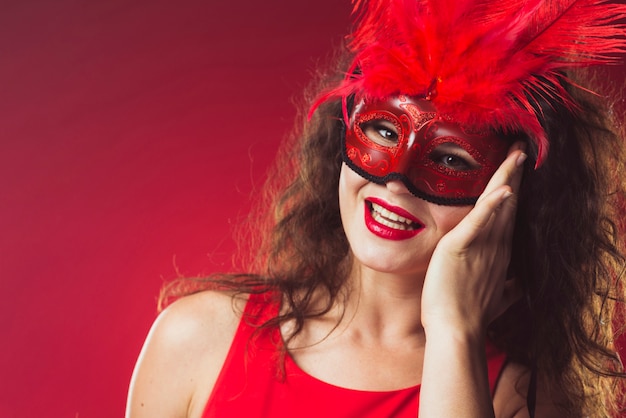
[(390, 219), (387, 223)]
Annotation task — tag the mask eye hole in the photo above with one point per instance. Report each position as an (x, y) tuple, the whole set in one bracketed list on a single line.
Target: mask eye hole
[(453, 157), (381, 132)]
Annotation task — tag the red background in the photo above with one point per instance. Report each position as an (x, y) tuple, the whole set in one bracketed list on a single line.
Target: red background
[(131, 135)]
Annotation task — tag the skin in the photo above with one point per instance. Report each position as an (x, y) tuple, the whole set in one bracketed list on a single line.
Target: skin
[(408, 307)]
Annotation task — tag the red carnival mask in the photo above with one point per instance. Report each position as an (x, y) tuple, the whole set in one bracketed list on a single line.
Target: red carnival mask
[(407, 139)]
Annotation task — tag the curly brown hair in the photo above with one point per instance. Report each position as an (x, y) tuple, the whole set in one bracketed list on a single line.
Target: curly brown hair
[(569, 256), (568, 250)]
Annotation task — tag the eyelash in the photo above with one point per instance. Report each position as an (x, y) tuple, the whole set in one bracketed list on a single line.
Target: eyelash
[(439, 158), (380, 129)]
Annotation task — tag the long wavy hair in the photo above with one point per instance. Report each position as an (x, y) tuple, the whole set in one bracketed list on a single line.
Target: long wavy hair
[(568, 250), (568, 255)]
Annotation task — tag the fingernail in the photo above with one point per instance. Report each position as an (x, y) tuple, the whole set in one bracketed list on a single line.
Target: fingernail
[(506, 195), (520, 160)]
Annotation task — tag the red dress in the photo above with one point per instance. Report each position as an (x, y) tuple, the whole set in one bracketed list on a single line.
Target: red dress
[(251, 385)]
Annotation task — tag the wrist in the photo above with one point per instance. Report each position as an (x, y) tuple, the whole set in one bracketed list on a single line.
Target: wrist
[(457, 334)]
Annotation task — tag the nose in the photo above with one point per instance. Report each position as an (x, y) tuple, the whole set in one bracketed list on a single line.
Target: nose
[(397, 187)]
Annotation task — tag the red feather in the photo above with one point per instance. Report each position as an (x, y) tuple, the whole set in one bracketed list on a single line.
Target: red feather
[(480, 61)]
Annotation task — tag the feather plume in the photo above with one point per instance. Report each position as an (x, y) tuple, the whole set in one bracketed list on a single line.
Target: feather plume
[(482, 62)]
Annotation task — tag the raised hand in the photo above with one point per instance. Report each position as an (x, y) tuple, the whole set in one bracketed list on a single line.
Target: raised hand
[(466, 286)]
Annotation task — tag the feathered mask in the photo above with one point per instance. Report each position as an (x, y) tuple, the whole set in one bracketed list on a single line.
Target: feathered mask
[(483, 63)]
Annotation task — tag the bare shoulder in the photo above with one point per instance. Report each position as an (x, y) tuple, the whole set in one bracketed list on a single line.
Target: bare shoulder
[(510, 399), (183, 355)]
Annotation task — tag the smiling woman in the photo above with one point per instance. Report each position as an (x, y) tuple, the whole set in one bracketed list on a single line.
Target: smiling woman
[(442, 237)]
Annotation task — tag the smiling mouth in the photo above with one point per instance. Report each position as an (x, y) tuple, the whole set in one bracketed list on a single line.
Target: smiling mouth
[(390, 219)]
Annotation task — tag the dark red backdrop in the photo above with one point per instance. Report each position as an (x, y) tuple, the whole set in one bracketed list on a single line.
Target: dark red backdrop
[(131, 134)]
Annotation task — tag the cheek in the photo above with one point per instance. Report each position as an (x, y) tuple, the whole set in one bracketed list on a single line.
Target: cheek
[(447, 217), (350, 206), (349, 185), (346, 193)]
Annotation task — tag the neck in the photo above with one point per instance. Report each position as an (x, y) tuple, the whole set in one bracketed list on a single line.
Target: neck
[(383, 306)]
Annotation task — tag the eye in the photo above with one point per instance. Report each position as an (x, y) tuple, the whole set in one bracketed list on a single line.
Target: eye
[(453, 157), (381, 132), (454, 162)]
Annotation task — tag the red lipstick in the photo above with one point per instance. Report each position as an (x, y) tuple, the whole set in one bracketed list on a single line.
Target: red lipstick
[(390, 222)]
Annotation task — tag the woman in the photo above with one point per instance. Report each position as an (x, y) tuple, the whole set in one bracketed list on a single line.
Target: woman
[(415, 262)]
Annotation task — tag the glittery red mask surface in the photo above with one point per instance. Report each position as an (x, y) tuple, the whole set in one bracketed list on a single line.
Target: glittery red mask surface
[(406, 139)]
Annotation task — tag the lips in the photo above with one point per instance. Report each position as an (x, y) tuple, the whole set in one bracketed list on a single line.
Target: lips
[(390, 222)]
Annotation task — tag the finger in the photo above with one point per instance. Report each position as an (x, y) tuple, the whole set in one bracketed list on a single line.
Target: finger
[(509, 173), (479, 218), (500, 188), (505, 174), (506, 215)]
